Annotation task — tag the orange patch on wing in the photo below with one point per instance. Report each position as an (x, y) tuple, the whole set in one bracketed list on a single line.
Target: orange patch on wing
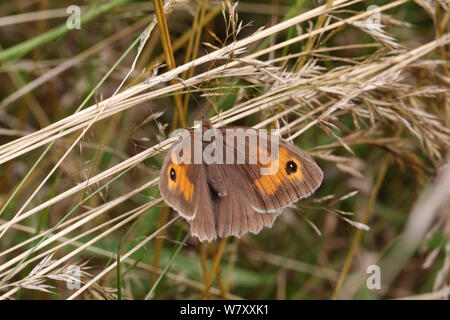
[(269, 184), (182, 182), (266, 185)]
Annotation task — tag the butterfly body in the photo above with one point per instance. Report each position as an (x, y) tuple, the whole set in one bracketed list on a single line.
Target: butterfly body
[(246, 178)]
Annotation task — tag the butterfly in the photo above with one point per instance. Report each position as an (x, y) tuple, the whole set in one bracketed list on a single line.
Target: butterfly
[(233, 180)]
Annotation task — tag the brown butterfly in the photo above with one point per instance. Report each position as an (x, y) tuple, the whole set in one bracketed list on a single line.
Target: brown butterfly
[(234, 196)]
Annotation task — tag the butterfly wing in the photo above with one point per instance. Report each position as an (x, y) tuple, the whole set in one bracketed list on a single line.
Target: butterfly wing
[(234, 213), (183, 185), (273, 184)]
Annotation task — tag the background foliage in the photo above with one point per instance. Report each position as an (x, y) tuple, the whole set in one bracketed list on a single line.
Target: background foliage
[(86, 115)]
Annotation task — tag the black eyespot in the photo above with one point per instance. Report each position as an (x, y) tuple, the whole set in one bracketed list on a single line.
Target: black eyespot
[(173, 175), (291, 167)]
